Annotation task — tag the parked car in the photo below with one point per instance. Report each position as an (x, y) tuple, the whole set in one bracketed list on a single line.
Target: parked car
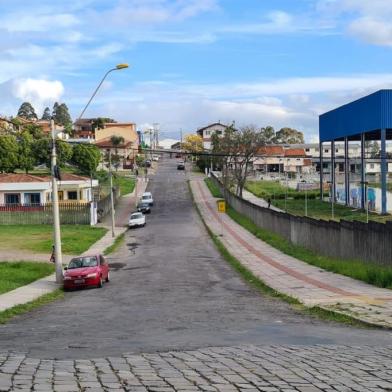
[(86, 271), (147, 163), (155, 158), (147, 198), (137, 219), (181, 166), (143, 207)]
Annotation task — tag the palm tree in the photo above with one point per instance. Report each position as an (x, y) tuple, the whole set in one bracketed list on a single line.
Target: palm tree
[(116, 141)]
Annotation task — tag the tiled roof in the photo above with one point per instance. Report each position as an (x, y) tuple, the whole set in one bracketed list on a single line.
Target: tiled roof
[(271, 151), (294, 152), (21, 177)]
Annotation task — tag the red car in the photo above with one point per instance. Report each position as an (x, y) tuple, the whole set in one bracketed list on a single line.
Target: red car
[(85, 271)]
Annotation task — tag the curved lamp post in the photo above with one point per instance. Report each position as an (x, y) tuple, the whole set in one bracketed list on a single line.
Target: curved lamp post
[(116, 68)]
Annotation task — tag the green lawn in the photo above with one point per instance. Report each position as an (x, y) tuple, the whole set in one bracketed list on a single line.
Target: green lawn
[(126, 184), (212, 187), (322, 210), (14, 275), (39, 238), (275, 190)]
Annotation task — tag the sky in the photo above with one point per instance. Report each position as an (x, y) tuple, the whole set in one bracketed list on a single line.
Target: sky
[(194, 62)]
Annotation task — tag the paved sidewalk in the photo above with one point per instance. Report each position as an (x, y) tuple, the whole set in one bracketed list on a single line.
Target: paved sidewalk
[(47, 285), (211, 369), (258, 201), (310, 285)]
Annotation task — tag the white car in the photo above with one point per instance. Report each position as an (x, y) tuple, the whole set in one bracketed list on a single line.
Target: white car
[(137, 219), (147, 198), (155, 158)]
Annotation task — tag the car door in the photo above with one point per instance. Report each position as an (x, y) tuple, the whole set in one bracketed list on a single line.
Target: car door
[(104, 266)]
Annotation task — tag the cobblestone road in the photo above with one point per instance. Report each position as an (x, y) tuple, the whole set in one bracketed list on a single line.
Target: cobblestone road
[(247, 368)]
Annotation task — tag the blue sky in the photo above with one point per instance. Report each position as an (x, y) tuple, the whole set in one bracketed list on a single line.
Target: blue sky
[(261, 62)]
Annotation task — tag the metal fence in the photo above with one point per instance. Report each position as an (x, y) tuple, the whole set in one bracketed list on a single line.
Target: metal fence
[(370, 242), (42, 214)]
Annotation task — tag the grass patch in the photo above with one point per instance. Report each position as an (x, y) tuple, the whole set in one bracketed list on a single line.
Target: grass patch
[(6, 315), (14, 275), (126, 184), (370, 273), (116, 244), (274, 190), (215, 191), (260, 286), (322, 210), (39, 238)]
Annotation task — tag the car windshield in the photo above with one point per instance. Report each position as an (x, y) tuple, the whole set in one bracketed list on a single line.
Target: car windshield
[(146, 197), (136, 216), (82, 262), (142, 205)]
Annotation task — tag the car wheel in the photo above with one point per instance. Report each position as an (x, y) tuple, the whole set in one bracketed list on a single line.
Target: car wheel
[(100, 284), (107, 278)]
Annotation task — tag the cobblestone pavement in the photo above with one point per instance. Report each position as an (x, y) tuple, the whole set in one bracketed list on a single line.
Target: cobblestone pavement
[(226, 369), (309, 284)]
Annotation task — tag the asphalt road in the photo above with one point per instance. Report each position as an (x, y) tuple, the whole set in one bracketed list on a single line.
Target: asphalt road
[(169, 289)]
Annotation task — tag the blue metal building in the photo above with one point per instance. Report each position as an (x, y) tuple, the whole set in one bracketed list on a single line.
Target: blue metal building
[(368, 118)]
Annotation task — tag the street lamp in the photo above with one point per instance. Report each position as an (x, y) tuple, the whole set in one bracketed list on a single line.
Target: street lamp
[(56, 213), (116, 68)]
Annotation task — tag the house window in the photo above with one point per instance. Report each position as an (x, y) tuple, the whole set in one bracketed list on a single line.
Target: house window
[(218, 132), (326, 151), (72, 195), (208, 133), (372, 165), (32, 198), (307, 149), (12, 198), (337, 150)]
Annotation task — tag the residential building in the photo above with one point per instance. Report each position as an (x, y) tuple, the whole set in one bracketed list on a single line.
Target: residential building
[(28, 189), (276, 159), (207, 132)]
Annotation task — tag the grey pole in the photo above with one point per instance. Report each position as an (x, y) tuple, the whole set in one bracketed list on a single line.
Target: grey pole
[(363, 175), (384, 170), (56, 213), (321, 172), (111, 192), (346, 171)]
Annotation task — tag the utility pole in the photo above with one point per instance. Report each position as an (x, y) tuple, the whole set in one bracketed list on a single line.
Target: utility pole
[(56, 212), (111, 191)]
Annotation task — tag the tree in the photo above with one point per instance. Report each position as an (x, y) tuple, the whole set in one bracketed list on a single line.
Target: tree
[(86, 157), (8, 153), (46, 114), (26, 158), (42, 149), (289, 136), (193, 143), (268, 134), (116, 142), (27, 112), (61, 114), (374, 150), (99, 123), (34, 130), (234, 153)]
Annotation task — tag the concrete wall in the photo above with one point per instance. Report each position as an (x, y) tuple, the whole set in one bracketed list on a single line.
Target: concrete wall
[(370, 242)]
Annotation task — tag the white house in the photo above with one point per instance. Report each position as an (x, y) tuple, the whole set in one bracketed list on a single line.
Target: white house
[(28, 189), (207, 132)]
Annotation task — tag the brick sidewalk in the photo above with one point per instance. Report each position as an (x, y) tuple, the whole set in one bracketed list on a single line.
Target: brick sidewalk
[(310, 285)]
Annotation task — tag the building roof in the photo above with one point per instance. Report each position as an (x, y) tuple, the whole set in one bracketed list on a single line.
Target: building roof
[(22, 177), (271, 151), (369, 115), (200, 130), (294, 152)]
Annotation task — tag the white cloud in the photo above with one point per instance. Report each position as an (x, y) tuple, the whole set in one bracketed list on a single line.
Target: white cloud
[(37, 91), (373, 31)]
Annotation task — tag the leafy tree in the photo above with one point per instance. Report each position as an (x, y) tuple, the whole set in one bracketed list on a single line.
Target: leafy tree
[(42, 149), (27, 111), (99, 123), (193, 143), (61, 114), (34, 130), (46, 114), (8, 153), (116, 142), (26, 158), (268, 134), (289, 136), (374, 150), (86, 157)]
